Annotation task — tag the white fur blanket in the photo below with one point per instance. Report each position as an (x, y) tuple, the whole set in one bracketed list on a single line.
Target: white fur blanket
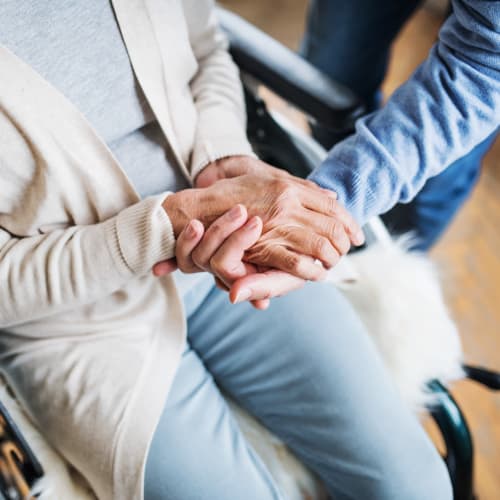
[(399, 299)]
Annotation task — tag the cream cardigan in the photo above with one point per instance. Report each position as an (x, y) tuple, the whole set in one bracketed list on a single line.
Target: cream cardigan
[(89, 339)]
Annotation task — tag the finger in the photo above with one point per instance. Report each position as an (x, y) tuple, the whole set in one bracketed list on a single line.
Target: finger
[(331, 228), (208, 176), (164, 267), (263, 286), (261, 305), (279, 257), (258, 304), (327, 204), (190, 236), (307, 242), (221, 285), (217, 233), (227, 263)]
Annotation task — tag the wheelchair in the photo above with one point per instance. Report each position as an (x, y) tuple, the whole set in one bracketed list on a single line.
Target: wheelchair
[(264, 61)]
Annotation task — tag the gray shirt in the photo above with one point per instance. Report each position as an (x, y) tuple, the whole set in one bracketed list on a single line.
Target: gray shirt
[(78, 48)]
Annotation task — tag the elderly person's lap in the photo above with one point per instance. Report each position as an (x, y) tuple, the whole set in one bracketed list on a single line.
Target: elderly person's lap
[(308, 371)]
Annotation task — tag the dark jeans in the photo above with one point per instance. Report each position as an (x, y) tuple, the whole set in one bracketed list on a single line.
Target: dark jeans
[(350, 41)]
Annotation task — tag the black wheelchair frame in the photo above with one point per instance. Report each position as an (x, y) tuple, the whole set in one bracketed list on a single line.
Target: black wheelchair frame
[(264, 61)]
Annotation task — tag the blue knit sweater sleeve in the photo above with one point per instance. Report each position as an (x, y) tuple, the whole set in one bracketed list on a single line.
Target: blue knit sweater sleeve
[(449, 105)]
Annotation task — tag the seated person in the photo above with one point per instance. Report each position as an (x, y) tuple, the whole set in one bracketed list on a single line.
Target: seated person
[(109, 112)]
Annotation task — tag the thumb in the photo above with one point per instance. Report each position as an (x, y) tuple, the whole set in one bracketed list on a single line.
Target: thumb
[(225, 168), (164, 267), (208, 176)]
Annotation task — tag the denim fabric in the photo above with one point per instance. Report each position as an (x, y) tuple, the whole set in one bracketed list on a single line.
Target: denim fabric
[(444, 117), (307, 369)]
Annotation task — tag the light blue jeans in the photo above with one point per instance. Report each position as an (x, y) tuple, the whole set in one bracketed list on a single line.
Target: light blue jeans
[(308, 370)]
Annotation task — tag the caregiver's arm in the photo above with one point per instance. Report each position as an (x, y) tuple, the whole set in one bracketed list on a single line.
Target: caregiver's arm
[(450, 104)]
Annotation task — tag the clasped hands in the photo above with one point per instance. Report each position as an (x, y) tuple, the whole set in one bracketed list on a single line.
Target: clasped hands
[(259, 230)]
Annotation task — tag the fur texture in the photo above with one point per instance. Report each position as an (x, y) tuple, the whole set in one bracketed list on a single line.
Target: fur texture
[(398, 297)]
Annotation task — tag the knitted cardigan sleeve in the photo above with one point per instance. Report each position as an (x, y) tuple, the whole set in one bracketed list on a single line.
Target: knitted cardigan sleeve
[(216, 90), (49, 273)]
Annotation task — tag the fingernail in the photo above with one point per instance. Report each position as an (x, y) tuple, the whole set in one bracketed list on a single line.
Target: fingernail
[(359, 238), (235, 212), (242, 295)]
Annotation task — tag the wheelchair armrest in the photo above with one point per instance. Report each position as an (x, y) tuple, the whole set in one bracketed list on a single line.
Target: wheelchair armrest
[(488, 378), (289, 75)]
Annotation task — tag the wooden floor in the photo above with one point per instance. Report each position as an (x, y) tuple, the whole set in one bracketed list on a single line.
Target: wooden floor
[(469, 253)]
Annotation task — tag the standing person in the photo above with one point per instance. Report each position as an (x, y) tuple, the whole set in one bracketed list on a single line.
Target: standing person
[(425, 147)]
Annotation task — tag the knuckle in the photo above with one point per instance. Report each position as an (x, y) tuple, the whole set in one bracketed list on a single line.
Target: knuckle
[(344, 245), (261, 254), (198, 260), (216, 265), (280, 184), (350, 224), (322, 247), (338, 230), (293, 263), (223, 268), (284, 232), (190, 269), (182, 264), (278, 212), (318, 273), (332, 204), (337, 234), (341, 239), (331, 228), (284, 188), (335, 260), (217, 229)]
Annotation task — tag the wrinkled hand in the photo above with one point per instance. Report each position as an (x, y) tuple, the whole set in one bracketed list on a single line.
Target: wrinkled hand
[(301, 221)]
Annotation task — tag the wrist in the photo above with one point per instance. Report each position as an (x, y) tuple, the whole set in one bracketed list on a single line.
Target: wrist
[(205, 205), (181, 207)]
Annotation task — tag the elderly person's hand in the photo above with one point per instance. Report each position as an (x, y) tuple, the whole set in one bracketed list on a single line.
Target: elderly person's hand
[(222, 247), (301, 222)]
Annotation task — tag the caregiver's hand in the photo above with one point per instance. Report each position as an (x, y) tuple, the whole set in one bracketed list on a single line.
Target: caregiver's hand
[(220, 249), (301, 222)]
